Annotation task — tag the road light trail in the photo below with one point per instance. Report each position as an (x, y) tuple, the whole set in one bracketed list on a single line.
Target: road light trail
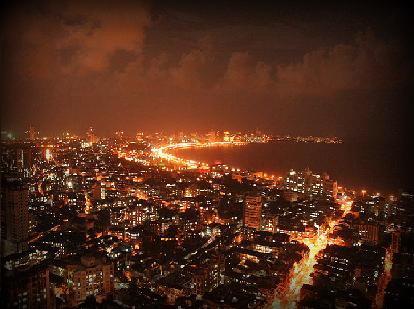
[(384, 280), (303, 270), (161, 152)]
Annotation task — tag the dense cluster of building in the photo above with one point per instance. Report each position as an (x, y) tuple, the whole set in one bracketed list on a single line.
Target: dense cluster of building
[(372, 267), (83, 224)]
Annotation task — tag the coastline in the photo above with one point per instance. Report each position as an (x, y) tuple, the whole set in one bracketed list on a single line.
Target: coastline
[(359, 168)]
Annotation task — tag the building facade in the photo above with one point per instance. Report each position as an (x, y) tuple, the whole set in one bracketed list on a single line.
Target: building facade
[(252, 212), (14, 217)]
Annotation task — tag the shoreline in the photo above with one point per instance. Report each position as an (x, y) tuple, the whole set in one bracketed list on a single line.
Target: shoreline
[(185, 154)]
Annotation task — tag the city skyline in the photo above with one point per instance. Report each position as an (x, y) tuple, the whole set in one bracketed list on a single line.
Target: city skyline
[(206, 154), (89, 221)]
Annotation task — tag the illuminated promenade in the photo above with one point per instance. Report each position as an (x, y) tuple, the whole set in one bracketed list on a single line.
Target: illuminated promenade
[(162, 153)]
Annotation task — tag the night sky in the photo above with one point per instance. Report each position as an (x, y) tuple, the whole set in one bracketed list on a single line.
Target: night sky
[(323, 69)]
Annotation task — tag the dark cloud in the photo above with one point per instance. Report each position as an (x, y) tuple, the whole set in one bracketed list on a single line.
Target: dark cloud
[(72, 36), (131, 65)]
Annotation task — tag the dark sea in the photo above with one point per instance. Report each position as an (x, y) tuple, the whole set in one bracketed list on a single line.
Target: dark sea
[(375, 167)]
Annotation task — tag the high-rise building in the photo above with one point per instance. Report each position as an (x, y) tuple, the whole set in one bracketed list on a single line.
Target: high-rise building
[(14, 217), (99, 191), (48, 154), (396, 242), (207, 276), (23, 159), (139, 136), (296, 182), (252, 212), (211, 136), (120, 135), (269, 223), (31, 133), (330, 186), (91, 275), (91, 137), (28, 288), (368, 232), (227, 137), (311, 184)]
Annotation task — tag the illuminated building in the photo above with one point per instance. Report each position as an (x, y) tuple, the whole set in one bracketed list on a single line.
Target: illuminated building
[(252, 212), (296, 182), (211, 136), (48, 154), (206, 277), (196, 279), (311, 184), (119, 135), (15, 217), (118, 216), (139, 136), (29, 288), (99, 191), (330, 187), (368, 232), (32, 134), (226, 136), (290, 196), (191, 191), (269, 223), (135, 215), (182, 226), (24, 160), (91, 137), (91, 275), (25, 259), (396, 242), (341, 268)]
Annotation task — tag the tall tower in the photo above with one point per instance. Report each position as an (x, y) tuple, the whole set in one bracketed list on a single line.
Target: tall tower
[(31, 133), (14, 217), (140, 136), (252, 212), (120, 135), (396, 241), (91, 137)]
